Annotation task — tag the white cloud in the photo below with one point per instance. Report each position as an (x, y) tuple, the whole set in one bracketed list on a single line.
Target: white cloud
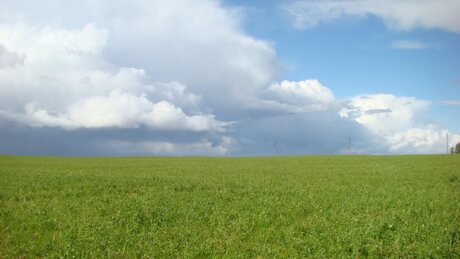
[(398, 121), (385, 112), (199, 45), (409, 44), (122, 110), (294, 97), (172, 67), (430, 139), (302, 92), (396, 14), (65, 82)]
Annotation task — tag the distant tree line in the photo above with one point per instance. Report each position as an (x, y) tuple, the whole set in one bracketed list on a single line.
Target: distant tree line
[(455, 150)]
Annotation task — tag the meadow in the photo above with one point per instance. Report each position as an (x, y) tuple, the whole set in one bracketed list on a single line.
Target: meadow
[(305, 206)]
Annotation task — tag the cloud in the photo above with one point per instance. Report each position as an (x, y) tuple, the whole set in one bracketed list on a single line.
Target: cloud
[(56, 141), (375, 111), (398, 15), (399, 122), (170, 78), (450, 102), (64, 83), (9, 59), (400, 112), (409, 44), (200, 148), (198, 45), (169, 67), (288, 97), (320, 132), (302, 92), (430, 139), (121, 110)]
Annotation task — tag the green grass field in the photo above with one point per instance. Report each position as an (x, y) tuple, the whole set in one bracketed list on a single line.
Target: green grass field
[(316, 206)]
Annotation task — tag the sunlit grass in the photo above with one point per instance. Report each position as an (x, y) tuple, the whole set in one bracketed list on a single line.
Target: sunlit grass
[(319, 206)]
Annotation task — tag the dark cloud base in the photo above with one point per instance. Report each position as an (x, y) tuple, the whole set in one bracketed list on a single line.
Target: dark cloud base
[(296, 134), (310, 133)]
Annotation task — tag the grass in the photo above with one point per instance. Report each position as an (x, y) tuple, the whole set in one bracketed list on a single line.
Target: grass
[(315, 206)]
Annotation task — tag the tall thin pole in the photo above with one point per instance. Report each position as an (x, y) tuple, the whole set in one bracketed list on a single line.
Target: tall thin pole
[(349, 146), (447, 142), (276, 149)]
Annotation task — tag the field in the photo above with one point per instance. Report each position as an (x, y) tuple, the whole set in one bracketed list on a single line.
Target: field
[(314, 206)]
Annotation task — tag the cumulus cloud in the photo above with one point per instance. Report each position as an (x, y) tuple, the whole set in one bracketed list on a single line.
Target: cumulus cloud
[(171, 67), (197, 45), (393, 113), (398, 15), (119, 109), (430, 139), (302, 92), (65, 82), (200, 44), (399, 122), (287, 97)]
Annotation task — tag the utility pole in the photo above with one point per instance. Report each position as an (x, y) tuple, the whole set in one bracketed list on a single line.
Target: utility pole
[(447, 143), (276, 150), (349, 146)]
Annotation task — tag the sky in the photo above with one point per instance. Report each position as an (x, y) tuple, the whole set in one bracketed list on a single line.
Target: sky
[(229, 77)]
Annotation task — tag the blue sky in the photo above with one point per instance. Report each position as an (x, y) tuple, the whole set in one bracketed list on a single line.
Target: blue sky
[(180, 77), (354, 56)]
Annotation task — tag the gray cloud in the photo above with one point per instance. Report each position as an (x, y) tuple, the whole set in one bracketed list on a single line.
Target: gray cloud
[(9, 59), (22, 140), (305, 133), (374, 111), (309, 133)]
